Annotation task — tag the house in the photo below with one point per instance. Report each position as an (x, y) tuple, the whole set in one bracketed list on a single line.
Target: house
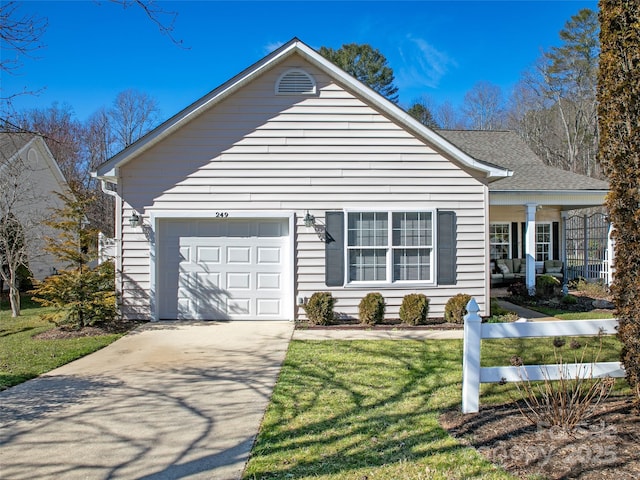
[(29, 180), (293, 178)]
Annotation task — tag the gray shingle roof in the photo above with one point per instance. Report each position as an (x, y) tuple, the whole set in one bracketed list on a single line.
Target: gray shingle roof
[(508, 150)]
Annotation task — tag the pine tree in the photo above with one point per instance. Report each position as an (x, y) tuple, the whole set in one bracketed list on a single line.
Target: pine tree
[(619, 121), (80, 294)]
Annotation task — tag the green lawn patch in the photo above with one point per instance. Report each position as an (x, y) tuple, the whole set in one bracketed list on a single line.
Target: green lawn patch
[(370, 409), (355, 410), (23, 357)]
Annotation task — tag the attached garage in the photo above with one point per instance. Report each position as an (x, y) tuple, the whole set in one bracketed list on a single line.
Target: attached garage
[(224, 269)]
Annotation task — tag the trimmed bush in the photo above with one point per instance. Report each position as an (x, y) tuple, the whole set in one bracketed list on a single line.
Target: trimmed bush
[(547, 286), (456, 308), (319, 308), (414, 309), (372, 308), (569, 300)]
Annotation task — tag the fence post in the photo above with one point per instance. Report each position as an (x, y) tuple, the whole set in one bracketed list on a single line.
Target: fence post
[(471, 359)]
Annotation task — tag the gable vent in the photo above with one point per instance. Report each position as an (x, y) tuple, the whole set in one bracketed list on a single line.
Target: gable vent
[(295, 82)]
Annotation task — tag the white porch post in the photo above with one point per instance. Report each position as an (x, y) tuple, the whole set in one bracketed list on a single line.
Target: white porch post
[(531, 247)]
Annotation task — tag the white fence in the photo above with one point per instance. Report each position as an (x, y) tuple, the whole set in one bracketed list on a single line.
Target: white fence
[(474, 331)]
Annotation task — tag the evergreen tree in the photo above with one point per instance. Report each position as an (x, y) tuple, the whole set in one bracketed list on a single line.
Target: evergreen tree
[(619, 121), (81, 294), (366, 64)]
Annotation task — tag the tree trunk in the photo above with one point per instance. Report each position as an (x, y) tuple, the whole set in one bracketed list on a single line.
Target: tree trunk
[(14, 297)]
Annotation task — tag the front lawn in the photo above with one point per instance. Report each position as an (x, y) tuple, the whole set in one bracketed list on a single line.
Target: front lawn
[(365, 409), (370, 410), (23, 357)]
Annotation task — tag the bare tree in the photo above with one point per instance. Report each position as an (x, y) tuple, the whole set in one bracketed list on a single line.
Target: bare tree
[(20, 34), (448, 118), (484, 107), (20, 216), (134, 113), (556, 99)]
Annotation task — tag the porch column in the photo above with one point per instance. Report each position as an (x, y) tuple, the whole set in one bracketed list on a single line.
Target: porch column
[(531, 248)]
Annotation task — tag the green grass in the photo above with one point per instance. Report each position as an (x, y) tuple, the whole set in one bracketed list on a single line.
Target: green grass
[(22, 357), (565, 315), (356, 410)]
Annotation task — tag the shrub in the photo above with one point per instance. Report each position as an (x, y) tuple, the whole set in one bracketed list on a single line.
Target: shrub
[(456, 308), (518, 290), (414, 309), (372, 308), (319, 308), (547, 286), (569, 300), (79, 297), (568, 401)]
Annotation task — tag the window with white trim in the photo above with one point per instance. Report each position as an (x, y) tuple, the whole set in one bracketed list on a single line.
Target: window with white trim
[(389, 247), (499, 240), (543, 242)]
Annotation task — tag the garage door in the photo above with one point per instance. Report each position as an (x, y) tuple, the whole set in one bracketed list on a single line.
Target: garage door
[(223, 269)]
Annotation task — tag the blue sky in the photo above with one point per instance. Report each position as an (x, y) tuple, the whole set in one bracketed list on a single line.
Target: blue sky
[(96, 49)]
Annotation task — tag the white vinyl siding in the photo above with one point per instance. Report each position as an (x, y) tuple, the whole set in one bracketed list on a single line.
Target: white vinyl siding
[(259, 151)]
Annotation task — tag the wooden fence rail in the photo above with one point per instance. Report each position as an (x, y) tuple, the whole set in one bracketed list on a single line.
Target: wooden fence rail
[(475, 331)]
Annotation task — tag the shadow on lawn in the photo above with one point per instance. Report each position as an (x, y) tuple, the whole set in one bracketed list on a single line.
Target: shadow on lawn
[(375, 406)]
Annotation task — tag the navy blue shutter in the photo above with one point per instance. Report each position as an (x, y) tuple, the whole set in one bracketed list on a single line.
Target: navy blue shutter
[(514, 240), (524, 240), (334, 249), (555, 240), (446, 254)]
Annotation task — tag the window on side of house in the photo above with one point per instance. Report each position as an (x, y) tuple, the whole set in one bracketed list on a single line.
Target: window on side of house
[(543, 242), (500, 240), (390, 247)]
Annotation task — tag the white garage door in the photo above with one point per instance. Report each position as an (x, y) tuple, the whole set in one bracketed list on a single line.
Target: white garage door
[(223, 269)]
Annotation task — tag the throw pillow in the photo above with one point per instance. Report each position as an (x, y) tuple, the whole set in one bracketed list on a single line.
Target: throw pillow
[(523, 267), (503, 268)]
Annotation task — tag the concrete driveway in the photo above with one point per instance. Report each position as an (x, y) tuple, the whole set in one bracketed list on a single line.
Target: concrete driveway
[(168, 401)]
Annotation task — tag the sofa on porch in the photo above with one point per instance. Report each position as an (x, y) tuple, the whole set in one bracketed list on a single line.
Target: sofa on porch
[(505, 271)]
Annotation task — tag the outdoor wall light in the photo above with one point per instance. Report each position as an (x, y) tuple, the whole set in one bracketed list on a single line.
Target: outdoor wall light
[(134, 220), (309, 220)]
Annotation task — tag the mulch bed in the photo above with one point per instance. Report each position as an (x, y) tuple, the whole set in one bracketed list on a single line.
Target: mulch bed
[(65, 332), (388, 325), (606, 446)]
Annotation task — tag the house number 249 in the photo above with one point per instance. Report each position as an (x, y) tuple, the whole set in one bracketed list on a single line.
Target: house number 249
[(222, 214)]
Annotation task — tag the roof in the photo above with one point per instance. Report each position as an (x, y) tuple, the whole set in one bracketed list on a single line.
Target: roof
[(108, 170), (508, 150)]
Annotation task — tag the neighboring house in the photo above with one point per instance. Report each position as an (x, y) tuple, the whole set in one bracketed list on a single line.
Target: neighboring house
[(29, 180), (293, 178)]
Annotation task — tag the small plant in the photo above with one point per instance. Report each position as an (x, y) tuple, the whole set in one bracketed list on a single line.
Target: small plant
[(319, 308), (372, 308), (595, 289), (414, 309), (567, 401), (547, 286), (569, 300), (503, 318), (456, 308)]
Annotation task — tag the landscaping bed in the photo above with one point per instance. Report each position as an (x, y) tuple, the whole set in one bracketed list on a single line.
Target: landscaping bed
[(607, 446)]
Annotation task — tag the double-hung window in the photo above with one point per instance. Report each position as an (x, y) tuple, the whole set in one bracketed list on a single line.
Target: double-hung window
[(499, 240), (390, 247), (543, 241)]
